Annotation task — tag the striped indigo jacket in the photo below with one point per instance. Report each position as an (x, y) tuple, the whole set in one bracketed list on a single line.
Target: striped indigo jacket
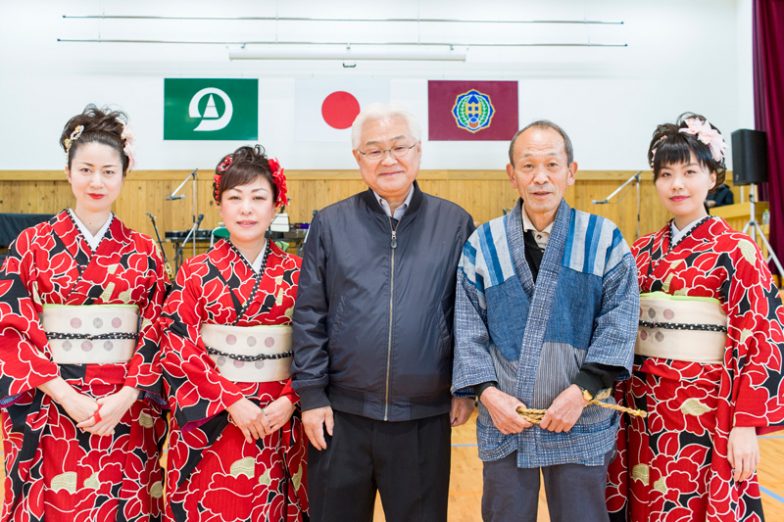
[(533, 338)]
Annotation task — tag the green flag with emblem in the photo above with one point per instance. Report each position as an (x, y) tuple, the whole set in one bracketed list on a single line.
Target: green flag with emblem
[(210, 109)]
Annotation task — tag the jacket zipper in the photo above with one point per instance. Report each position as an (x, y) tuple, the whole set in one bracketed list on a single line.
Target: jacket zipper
[(393, 244)]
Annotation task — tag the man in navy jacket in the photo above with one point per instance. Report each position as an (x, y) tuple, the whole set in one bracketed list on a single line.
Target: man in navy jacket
[(373, 335)]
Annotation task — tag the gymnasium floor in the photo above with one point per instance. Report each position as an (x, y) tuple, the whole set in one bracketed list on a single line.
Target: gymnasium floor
[(465, 488)]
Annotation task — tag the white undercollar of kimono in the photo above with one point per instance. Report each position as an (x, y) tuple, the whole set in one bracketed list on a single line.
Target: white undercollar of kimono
[(256, 263), (92, 240), (542, 237), (676, 234)]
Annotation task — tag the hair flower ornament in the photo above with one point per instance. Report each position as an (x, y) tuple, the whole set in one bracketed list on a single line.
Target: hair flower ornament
[(279, 178), (225, 163), (128, 139), (221, 169), (703, 131)]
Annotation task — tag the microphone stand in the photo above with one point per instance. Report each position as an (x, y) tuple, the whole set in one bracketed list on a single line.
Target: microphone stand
[(190, 237), (175, 195), (634, 178), (194, 204), (755, 231), (166, 265)]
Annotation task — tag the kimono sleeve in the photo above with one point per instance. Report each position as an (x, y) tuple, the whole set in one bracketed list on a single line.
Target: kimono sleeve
[(197, 389), (755, 316), (289, 392), (291, 265), (24, 360), (472, 362), (615, 326), (144, 369)]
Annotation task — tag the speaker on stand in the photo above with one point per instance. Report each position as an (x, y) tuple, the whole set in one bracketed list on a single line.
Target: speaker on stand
[(750, 167)]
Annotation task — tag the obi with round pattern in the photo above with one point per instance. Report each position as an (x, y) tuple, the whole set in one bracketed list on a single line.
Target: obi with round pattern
[(249, 353), (91, 334), (683, 328)]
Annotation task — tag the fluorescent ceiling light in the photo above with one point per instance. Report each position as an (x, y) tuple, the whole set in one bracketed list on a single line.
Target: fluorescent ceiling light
[(575, 21), (348, 54)]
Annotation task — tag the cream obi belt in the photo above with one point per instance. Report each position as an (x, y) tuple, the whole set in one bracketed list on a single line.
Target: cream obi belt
[(249, 353), (683, 328), (91, 334)]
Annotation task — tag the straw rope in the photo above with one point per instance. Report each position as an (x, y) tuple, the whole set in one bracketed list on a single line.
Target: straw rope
[(535, 416)]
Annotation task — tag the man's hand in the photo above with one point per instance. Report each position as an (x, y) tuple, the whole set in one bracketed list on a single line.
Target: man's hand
[(743, 452), (315, 421), (565, 410), (503, 410), (461, 410)]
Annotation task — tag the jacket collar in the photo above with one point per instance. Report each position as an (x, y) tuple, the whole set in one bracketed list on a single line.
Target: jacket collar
[(369, 198)]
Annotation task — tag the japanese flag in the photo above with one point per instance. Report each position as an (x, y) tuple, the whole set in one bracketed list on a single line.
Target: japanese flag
[(326, 108)]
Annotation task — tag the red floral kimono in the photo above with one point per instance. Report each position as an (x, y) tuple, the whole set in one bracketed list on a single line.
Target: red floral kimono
[(673, 465), (55, 471), (213, 473)]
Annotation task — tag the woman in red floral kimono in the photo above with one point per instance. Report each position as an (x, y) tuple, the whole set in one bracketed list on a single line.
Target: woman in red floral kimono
[(708, 361), (237, 452), (80, 296)]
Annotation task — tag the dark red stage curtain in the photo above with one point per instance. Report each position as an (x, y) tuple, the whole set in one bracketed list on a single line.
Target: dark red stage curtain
[(768, 62)]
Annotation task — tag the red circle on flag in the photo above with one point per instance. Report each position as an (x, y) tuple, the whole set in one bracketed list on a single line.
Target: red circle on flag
[(339, 109)]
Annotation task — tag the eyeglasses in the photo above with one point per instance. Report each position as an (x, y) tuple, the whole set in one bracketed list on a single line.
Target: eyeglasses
[(398, 152)]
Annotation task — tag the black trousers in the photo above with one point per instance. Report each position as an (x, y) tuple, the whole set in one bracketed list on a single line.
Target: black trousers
[(406, 462)]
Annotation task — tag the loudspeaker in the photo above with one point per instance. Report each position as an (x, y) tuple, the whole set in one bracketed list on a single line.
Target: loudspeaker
[(749, 157)]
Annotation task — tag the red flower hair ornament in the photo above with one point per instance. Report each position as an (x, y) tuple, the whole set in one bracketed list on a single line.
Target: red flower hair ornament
[(278, 178), (220, 170)]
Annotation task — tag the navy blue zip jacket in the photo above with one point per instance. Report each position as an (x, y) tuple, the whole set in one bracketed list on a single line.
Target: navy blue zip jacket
[(373, 317)]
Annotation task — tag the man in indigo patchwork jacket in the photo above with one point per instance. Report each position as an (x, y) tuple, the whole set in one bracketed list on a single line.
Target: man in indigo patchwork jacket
[(545, 317)]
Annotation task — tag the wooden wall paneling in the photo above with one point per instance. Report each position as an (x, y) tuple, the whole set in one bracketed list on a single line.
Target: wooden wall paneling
[(484, 194)]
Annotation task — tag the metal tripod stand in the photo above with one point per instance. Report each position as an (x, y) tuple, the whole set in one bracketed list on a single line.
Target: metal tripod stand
[(752, 228)]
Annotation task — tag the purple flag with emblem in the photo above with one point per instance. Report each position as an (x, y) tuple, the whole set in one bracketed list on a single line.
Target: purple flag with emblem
[(472, 111)]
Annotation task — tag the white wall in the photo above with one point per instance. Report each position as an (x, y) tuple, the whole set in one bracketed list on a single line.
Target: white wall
[(682, 55)]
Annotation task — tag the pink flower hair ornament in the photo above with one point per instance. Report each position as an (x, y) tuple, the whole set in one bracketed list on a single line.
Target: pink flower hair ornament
[(706, 134), (655, 148), (128, 139)]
